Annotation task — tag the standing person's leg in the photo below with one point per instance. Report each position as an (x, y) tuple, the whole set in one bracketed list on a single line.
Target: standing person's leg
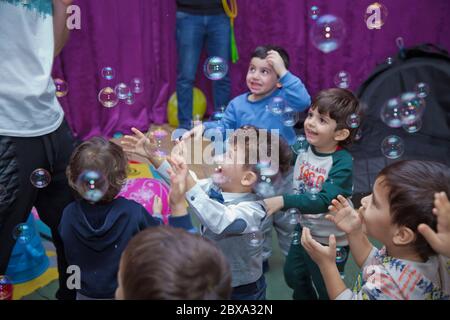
[(19, 157), (296, 272), (218, 44), (52, 200), (190, 33)]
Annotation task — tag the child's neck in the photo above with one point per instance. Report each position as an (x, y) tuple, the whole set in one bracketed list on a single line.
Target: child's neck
[(252, 97), (404, 253), (237, 189), (326, 149)]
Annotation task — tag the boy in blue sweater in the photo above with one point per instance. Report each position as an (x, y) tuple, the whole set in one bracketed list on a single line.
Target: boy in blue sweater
[(267, 77)]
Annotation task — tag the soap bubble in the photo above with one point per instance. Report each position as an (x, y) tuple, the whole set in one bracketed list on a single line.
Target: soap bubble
[(108, 73), (314, 12), (122, 91), (107, 97), (289, 116), (390, 113), (342, 79), (61, 87), (217, 177), (392, 147), (137, 85), (296, 237), (313, 187), (327, 33), (40, 178), (92, 185), (159, 133), (265, 189), (375, 15), (215, 68), (301, 143), (353, 121), (389, 60), (293, 216), (218, 115), (6, 288), (422, 89), (412, 107), (255, 237), (341, 255), (117, 135), (358, 134), (160, 154), (130, 98), (277, 105), (413, 127), (23, 233)]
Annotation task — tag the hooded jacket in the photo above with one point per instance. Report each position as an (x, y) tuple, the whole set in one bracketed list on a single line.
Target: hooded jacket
[(95, 235)]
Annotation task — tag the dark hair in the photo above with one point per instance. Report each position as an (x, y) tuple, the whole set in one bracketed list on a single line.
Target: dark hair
[(271, 138), (166, 263), (262, 51), (339, 104), (102, 156), (412, 185)]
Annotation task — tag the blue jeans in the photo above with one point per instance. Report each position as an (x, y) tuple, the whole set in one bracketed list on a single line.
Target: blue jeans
[(252, 291), (193, 32)]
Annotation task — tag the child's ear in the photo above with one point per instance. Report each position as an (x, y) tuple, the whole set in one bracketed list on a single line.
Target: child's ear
[(279, 85), (341, 135), (403, 236), (249, 178)]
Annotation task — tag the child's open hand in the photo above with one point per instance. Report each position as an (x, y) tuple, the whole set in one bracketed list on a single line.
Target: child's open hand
[(138, 144), (440, 240), (344, 216), (157, 206), (277, 63), (319, 253), (177, 173)]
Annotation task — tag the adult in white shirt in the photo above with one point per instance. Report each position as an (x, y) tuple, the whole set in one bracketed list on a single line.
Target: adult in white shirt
[(33, 133)]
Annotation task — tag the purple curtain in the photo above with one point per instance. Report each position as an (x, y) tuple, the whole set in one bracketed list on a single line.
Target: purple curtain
[(137, 39)]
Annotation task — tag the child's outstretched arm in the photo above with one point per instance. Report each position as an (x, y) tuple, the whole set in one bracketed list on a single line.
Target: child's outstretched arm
[(178, 173), (440, 240), (325, 257), (349, 221), (141, 145)]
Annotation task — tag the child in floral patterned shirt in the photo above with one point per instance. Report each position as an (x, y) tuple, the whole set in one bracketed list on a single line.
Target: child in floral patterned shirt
[(407, 267)]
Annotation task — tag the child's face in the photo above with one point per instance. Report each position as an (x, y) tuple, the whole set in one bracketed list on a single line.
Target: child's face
[(261, 78), (320, 129), (233, 174), (376, 214)]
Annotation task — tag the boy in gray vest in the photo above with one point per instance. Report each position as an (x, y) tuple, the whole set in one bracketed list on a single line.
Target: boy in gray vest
[(228, 209)]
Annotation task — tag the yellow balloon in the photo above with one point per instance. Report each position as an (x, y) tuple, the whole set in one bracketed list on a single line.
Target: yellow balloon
[(198, 106)]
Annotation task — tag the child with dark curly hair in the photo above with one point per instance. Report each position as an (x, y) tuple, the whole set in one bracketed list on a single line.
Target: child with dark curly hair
[(96, 228)]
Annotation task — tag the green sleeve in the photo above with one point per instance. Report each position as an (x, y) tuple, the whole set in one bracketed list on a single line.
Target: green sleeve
[(339, 182)]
